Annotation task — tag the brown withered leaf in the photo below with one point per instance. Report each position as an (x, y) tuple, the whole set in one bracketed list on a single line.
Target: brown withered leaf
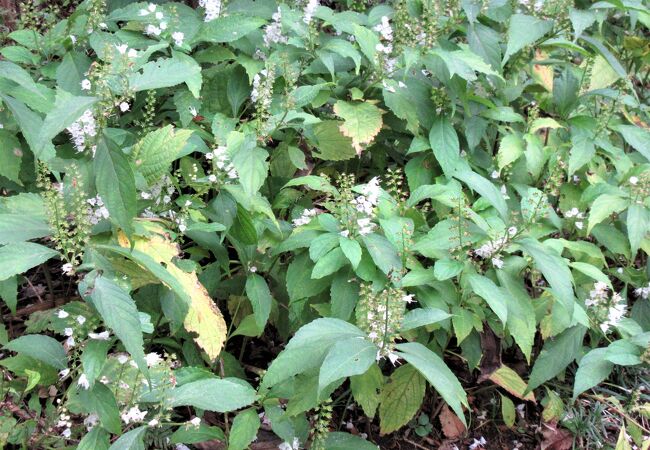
[(452, 427), (555, 438)]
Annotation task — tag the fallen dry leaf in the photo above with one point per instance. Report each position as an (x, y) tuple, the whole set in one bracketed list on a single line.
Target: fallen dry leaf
[(452, 427), (555, 438)]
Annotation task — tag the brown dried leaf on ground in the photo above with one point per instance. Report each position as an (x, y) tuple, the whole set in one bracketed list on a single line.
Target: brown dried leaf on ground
[(452, 427), (555, 438)]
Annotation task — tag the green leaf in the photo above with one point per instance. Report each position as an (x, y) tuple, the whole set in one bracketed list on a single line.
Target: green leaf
[(116, 184), (445, 269), (213, 394), (555, 270), (95, 439), (19, 257), (637, 137), (401, 398), (556, 355), (362, 122), (299, 282), (508, 411), (332, 145), (592, 370), (120, 314), (486, 189), (260, 297), (193, 435), (521, 315), (30, 124), (244, 430), (252, 167), (99, 399), (492, 294), (444, 143), (156, 151), (604, 206), (229, 28), (437, 373), (94, 357), (20, 227), (40, 347), (420, 317), (367, 41), (11, 157), (510, 149), (20, 76), (637, 221), (522, 31), (366, 389), (67, 109), (132, 440), (329, 264), (344, 295), (351, 249), (9, 293), (337, 440), (168, 72), (308, 348), (383, 253), (348, 357)]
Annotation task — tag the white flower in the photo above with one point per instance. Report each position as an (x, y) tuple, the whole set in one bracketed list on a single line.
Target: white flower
[(73, 39), (384, 29), (408, 298), (68, 269), (178, 37), (273, 31), (163, 25), (124, 106), (212, 9), (309, 11), (66, 433), (345, 233), (634, 180), (91, 421), (253, 269), (497, 262), (132, 53), (579, 225), (195, 422), (212, 178), (193, 111), (478, 443), (144, 12), (122, 358), (152, 30), (642, 292), (81, 320), (494, 175), (295, 445), (70, 342), (64, 373), (305, 218), (68, 331), (62, 314), (153, 422), (182, 447), (121, 48), (85, 84), (83, 381), (159, 15), (103, 336), (512, 231), (103, 25), (133, 415), (152, 359), (151, 7)]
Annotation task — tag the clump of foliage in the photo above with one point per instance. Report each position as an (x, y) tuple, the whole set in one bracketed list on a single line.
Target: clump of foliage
[(257, 214)]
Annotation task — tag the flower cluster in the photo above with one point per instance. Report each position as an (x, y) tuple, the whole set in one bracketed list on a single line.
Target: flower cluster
[(83, 129), (643, 292), (221, 160), (273, 31), (380, 315), (365, 205), (608, 310), (97, 210), (385, 47), (305, 217), (133, 415), (212, 9), (162, 24), (492, 249), (575, 213), (309, 11)]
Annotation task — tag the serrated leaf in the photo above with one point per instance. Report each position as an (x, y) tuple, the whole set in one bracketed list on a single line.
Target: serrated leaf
[(510, 149), (332, 145), (420, 317), (260, 297), (604, 206), (362, 122), (131, 440), (244, 430), (383, 253), (229, 28), (366, 389), (492, 294), (168, 72), (592, 370), (524, 30), (401, 398), (155, 152), (67, 109)]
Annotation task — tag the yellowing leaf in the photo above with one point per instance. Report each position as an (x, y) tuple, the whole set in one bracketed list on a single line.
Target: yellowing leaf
[(509, 380), (362, 122), (543, 73), (202, 317)]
